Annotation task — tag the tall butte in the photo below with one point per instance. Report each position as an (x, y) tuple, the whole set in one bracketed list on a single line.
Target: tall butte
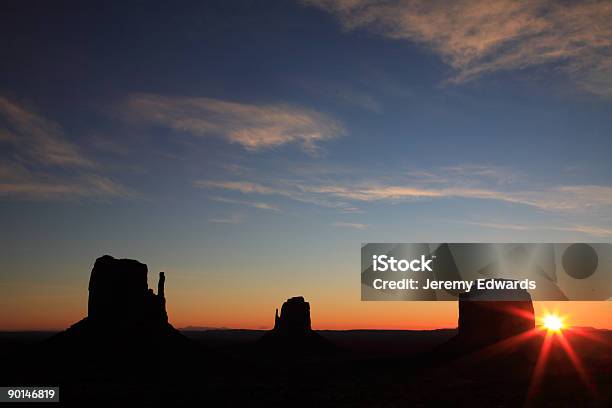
[(292, 334), (122, 309), (489, 316)]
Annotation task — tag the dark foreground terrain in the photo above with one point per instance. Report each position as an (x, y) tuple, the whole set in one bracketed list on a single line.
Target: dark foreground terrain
[(368, 368)]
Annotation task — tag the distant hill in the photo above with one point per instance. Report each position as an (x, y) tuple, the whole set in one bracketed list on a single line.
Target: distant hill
[(202, 328)]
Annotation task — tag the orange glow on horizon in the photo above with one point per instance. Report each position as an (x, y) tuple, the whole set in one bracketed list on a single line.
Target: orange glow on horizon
[(38, 308)]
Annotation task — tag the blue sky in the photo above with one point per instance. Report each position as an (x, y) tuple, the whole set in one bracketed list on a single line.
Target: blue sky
[(209, 137)]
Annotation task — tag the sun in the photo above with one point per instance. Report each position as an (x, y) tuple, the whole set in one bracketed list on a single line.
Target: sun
[(553, 323)]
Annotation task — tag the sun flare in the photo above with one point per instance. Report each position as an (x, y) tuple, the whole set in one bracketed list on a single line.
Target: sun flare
[(553, 323)]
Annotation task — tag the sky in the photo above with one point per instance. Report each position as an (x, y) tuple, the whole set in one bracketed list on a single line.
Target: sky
[(248, 148)]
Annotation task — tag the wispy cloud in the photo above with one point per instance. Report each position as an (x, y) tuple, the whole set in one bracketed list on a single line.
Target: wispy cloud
[(88, 186), (556, 198), (582, 209), (254, 127), (284, 188), (38, 139), (588, 230), (255, 204), (470, 172), (583, 229), (39, 163), (353, 225), (339, 195), (242, 186), (231, 219), (476, 37), (502, 226)]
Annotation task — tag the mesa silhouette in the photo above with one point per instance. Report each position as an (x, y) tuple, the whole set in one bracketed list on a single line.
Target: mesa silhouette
[(489, 316), (292, 333), (125, 353), (123, 312)]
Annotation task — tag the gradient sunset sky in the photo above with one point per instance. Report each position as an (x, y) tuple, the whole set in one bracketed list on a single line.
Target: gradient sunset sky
[(248, 148)]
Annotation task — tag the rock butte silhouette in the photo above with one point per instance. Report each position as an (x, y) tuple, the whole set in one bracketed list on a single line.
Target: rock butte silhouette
[(125, 314), (292, 332), (295, 316), (487, 316), (122, 310)]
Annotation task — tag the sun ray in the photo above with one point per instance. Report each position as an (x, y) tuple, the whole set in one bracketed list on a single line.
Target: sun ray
[(554, 325), (576, 362), (509, 344), (538, 371), (589, 335)]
